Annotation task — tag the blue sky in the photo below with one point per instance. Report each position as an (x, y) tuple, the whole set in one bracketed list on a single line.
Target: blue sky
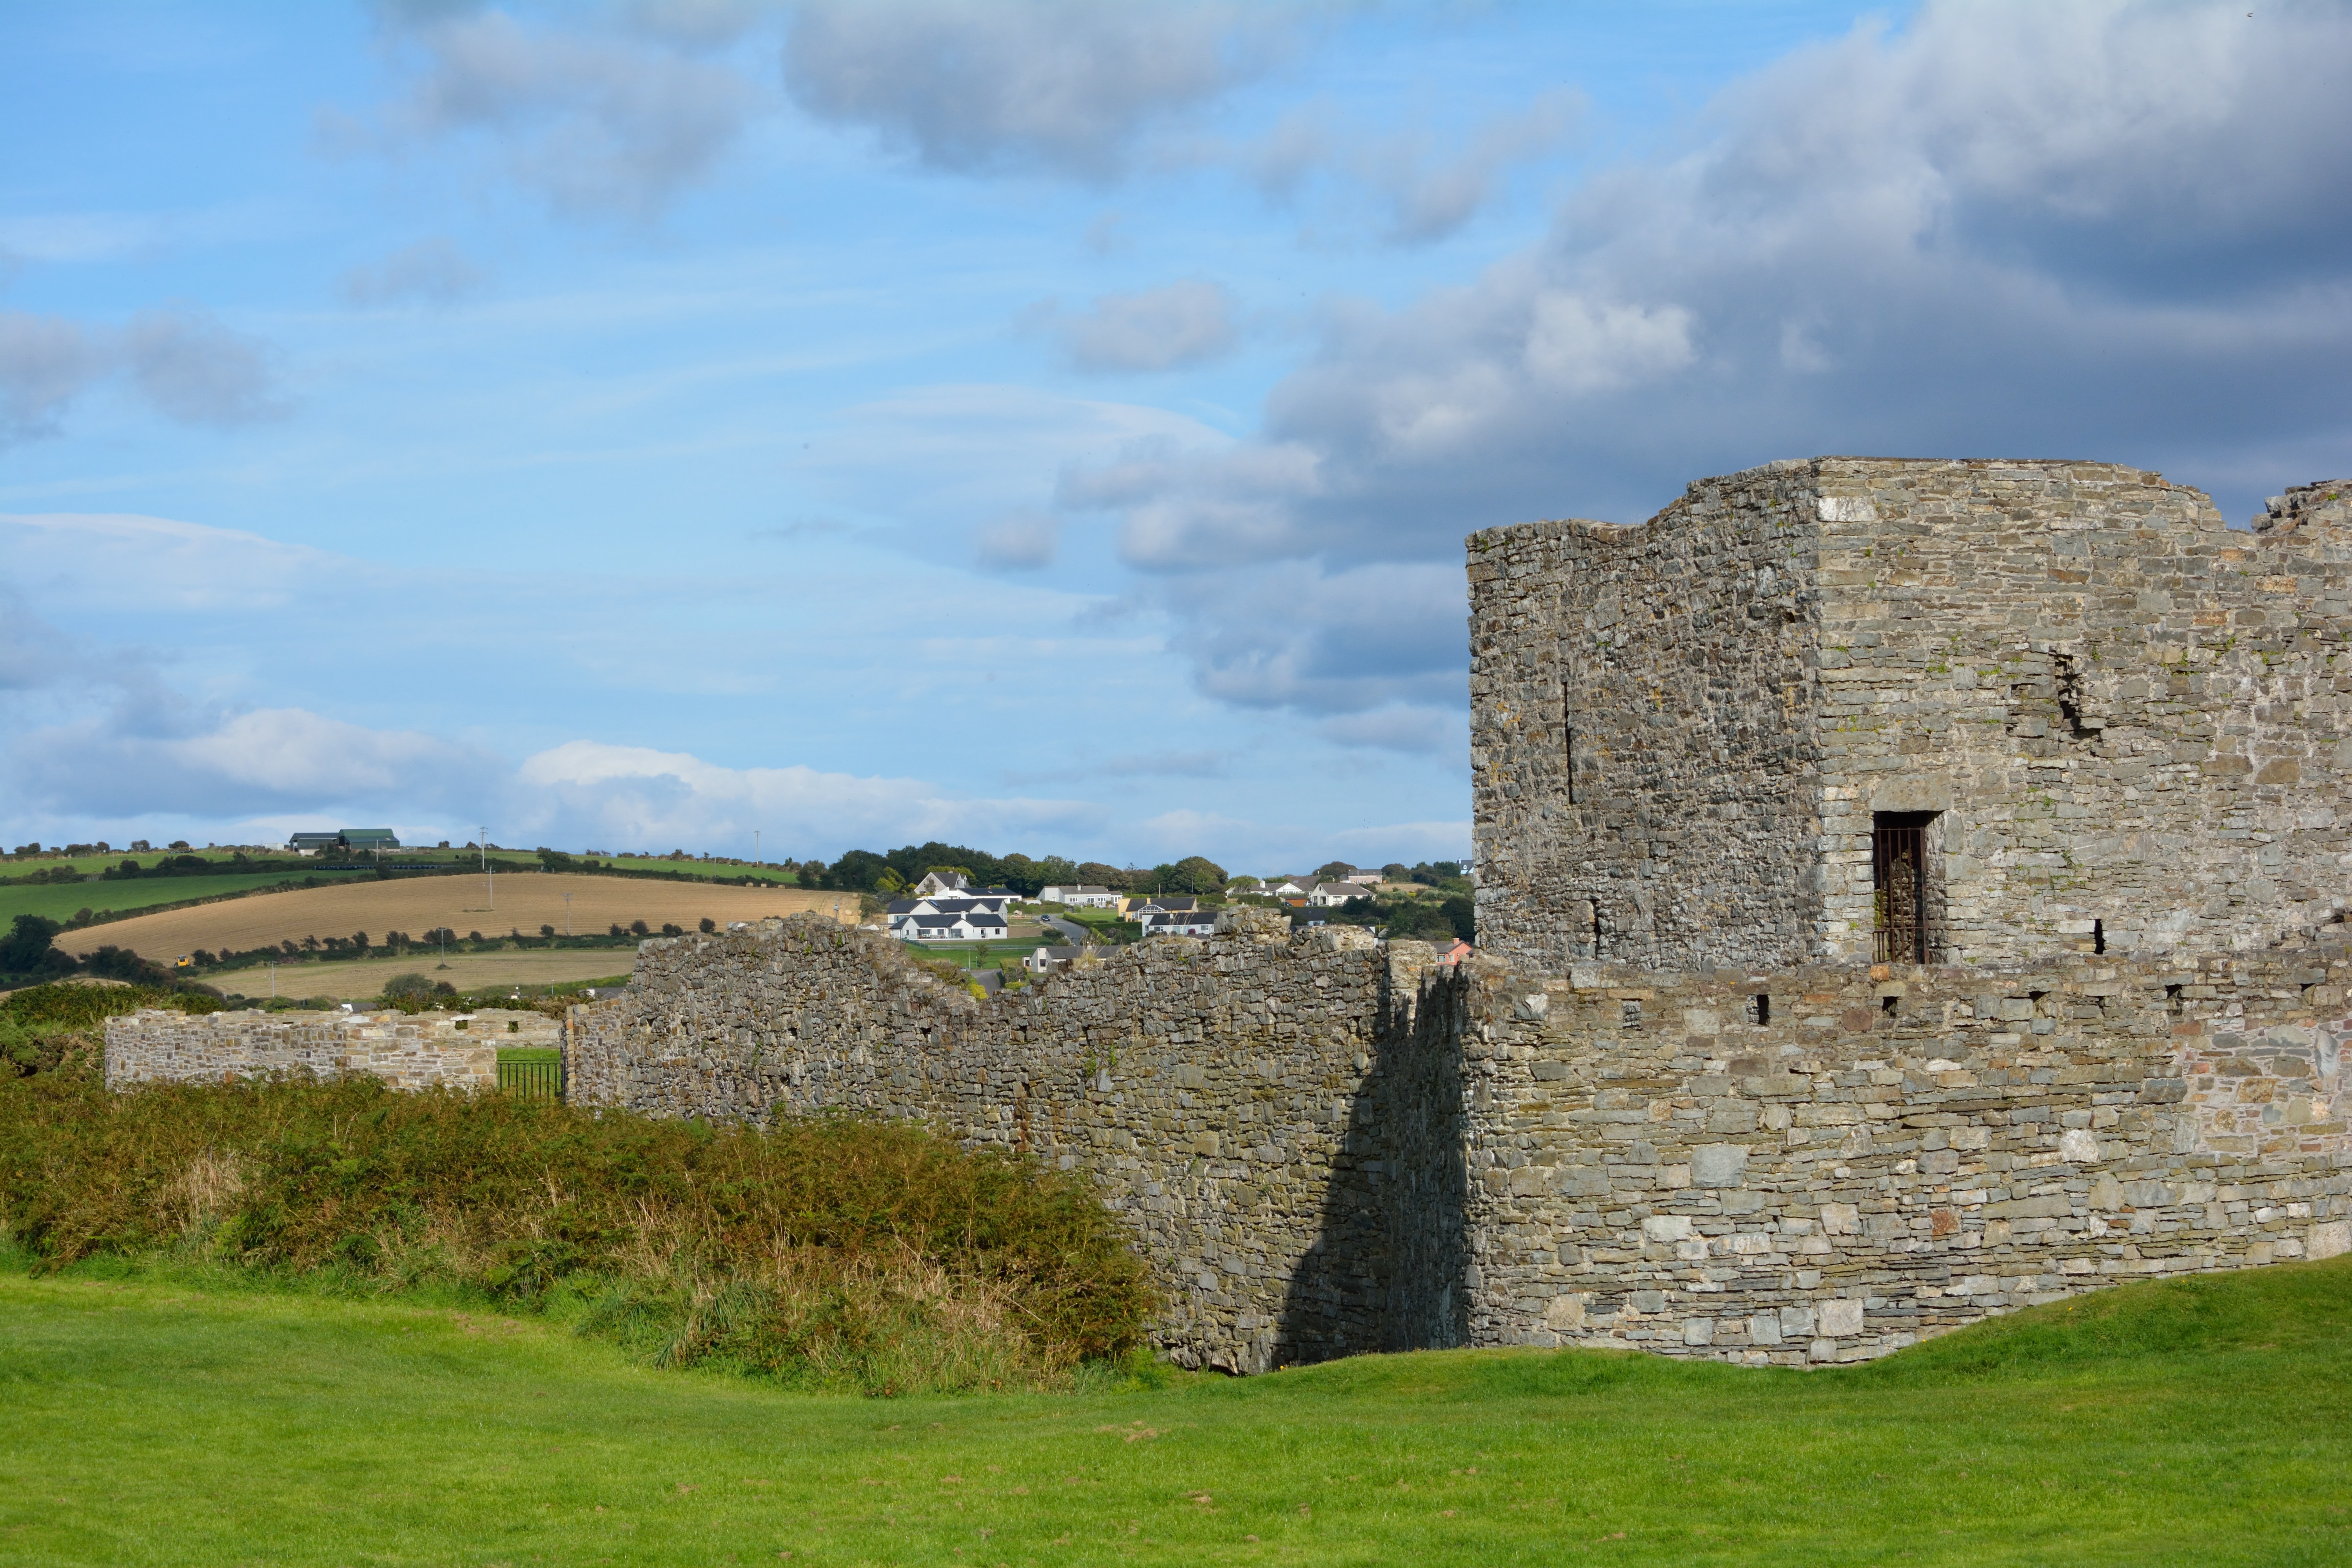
[(1050, 426)]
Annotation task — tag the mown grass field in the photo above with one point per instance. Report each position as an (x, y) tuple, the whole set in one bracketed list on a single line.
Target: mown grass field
[(2206, 1420), (60, 900), (363, 978)]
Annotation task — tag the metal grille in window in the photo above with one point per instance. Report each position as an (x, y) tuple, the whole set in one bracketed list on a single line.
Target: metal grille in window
[(1898, 877)]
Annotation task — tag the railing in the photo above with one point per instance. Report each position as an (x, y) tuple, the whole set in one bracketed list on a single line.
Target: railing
[(1898, 861), (533, 1078)]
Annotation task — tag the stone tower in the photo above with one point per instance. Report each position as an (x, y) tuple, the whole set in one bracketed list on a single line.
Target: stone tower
[(1948, 712)]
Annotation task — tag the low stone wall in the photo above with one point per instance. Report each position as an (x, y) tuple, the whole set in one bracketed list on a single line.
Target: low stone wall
[(1829, 1164), (1267, 1115), (409, 1051)]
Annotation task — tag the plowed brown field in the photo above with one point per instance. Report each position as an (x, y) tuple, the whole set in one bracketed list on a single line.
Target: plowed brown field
[(525, 901)]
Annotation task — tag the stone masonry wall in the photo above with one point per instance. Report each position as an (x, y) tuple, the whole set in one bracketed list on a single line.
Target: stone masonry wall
[(411, 1052), (2133, 719), (1642, 745), (1271, 1117), (1888, 1153), (2130, 718)]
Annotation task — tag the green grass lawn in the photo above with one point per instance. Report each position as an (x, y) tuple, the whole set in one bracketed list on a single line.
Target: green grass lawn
[(60, 900), (143, 1422)]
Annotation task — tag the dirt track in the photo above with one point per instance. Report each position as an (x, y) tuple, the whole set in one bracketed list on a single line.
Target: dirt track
[(524, 902)]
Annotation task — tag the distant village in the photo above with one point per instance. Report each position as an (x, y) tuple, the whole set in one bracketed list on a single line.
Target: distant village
[(950, 907)]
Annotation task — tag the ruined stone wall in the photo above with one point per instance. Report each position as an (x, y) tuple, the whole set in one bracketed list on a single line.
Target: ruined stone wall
[(1269, 1116), (1641, 747), (2130, 719), (2128, 714), (410, 1052), (1882, 1158)]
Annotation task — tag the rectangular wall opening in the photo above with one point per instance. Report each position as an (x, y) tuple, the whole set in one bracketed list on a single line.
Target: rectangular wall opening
[(1902, 886)]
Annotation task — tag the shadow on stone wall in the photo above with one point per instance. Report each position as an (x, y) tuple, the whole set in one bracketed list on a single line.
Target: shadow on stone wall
[(1389, 1249)]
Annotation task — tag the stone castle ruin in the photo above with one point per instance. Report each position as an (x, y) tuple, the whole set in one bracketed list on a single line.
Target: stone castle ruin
[(1908, 892)]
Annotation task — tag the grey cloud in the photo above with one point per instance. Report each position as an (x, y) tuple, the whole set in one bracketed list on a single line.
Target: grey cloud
[(1061, 85), (1019, 540), (600, 124), (432, 271), (1430, 197), (2110, 231), (198, 371), (1187, 322), (1294, 636), (45, 363), (1428, 189)]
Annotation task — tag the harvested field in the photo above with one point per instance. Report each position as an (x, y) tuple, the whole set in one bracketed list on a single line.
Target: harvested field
[(524, 900)]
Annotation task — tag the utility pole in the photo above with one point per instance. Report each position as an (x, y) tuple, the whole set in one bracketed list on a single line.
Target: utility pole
[(567, 914)]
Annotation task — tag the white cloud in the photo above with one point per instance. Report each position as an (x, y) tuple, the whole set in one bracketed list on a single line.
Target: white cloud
[(432, 271), (591, 792), (600, 124), (1019, 540), (1062, 85), (1184, 323), (2102, 229), (1578, 346), (163, 563)]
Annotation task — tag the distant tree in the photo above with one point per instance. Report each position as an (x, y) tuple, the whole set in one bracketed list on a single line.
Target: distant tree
[(1093, 873), (708, 925), (546, 930), (857, 871), (1395, 872), (1333, 868), (403, 985), (26, 949), (639, 928), (669, 930), (1193, 874)]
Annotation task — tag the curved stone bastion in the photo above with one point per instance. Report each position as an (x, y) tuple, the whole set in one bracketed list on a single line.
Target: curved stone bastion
[(1324, 1145)]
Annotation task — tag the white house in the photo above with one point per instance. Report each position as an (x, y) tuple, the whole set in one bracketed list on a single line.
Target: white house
[(946, 919), (1084, 897), (954, 921), (1330, 890)]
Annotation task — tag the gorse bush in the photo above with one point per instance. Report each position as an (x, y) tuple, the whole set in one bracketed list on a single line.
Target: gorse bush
[(45, 1028), (824, 1250)]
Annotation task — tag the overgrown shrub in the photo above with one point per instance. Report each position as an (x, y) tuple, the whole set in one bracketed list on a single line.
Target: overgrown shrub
[(46, 1028), (829, 1250)]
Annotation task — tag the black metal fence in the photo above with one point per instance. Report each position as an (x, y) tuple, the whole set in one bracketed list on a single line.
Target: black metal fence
[(532, 1079)]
